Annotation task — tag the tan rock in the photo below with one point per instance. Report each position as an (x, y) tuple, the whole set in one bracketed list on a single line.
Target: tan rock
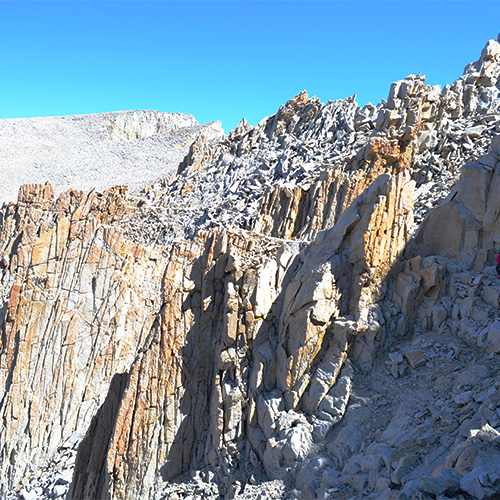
[(416, 358)]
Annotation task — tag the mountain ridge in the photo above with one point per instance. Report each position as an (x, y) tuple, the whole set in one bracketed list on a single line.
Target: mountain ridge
[(308, 309), (95, 150)]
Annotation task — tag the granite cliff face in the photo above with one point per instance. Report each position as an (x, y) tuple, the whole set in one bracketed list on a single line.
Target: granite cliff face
[(307, 310)]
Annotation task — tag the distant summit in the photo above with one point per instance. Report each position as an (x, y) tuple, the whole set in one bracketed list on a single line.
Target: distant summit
[(95, 151)]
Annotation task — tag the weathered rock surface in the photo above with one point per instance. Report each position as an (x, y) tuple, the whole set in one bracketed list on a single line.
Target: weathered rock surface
[(275, 322)]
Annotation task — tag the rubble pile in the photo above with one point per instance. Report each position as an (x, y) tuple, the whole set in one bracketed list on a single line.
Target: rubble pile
[(309, 144)]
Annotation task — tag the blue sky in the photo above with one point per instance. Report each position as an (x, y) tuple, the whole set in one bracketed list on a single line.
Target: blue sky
[(229, 59)]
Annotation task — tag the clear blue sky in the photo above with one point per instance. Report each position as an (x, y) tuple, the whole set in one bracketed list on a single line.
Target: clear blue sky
[(225, 60)]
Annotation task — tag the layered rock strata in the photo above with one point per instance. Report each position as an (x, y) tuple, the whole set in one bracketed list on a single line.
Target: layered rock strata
[(78, 301)]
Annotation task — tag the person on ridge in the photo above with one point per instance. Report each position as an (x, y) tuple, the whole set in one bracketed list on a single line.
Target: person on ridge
[(498, 266)]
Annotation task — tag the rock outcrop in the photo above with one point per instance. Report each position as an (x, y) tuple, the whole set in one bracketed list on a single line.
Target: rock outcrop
[(293, 315), (294, 173)]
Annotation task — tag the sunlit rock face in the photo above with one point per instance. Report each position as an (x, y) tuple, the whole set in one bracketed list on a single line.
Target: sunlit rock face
[(308, 309)]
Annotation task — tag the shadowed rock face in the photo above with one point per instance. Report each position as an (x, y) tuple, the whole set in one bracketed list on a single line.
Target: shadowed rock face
[(263, 351), (235, 335)]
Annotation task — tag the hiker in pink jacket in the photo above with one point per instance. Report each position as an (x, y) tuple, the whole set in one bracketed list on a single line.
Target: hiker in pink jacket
[(498, 266)]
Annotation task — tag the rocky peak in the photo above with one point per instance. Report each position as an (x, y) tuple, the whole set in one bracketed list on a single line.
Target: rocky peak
[(132, 125), (36, 193), (242, 127), (485, 70), (310, 145), (308, 309)]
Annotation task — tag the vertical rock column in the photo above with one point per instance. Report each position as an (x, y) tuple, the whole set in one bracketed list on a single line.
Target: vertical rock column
[(79, 300)]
